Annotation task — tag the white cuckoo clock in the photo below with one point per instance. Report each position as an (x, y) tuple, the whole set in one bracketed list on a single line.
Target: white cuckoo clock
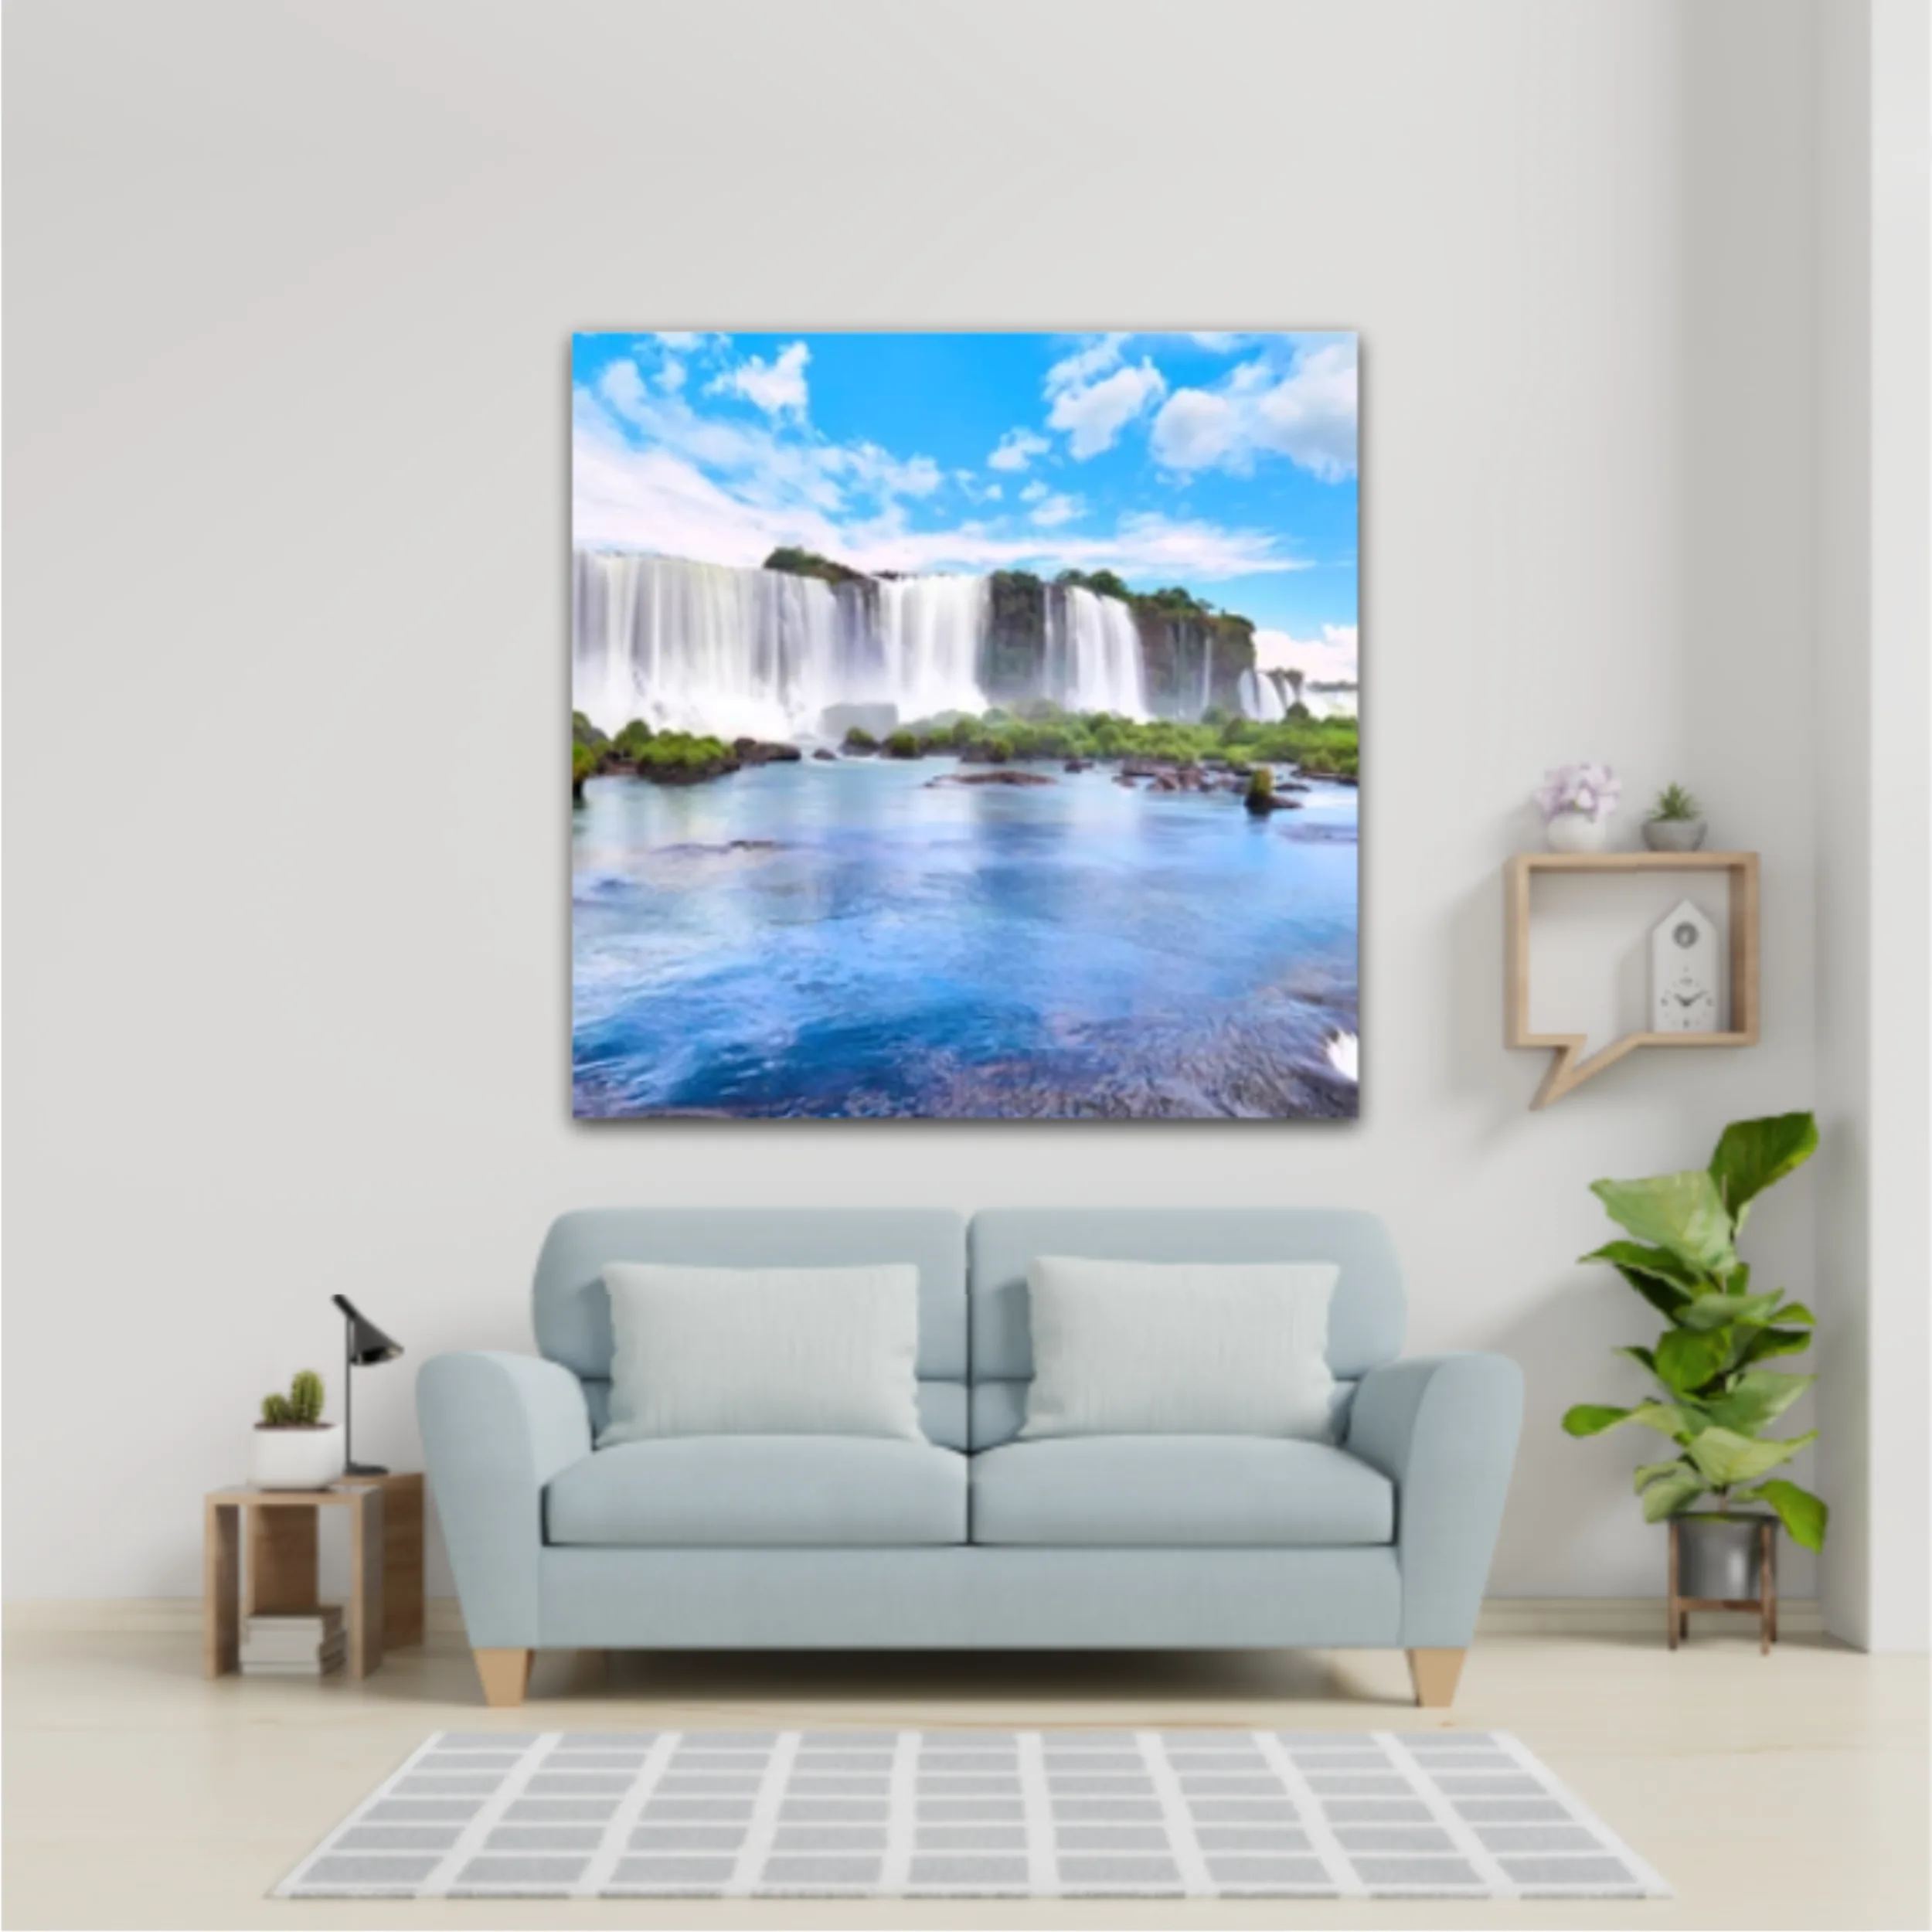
[(1686, 973)]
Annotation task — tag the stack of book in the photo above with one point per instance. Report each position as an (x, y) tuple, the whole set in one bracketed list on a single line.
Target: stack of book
[(308, 1644)]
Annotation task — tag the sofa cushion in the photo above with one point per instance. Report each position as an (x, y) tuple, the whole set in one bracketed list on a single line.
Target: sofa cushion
[(1164, 1491), (762, 1352), (745, 1491)]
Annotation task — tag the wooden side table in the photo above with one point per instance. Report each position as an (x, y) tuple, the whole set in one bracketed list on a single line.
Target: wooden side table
[(385, 1603), (1680, 1608)]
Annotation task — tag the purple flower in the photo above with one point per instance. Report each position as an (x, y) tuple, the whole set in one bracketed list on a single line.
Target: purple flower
[(1593, 790)]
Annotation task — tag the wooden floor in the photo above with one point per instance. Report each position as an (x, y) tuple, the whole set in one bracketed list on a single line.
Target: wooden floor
[(1790, 1791)]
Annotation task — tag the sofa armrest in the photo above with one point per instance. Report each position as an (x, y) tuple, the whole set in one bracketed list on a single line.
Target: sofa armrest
[(1442, 1429), (496, 1428)]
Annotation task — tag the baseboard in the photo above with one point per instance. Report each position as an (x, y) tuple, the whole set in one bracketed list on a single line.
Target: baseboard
[(1626, 1616), (1501, 1616)]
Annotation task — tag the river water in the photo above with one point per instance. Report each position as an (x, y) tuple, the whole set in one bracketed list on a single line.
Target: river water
[(853, 939)]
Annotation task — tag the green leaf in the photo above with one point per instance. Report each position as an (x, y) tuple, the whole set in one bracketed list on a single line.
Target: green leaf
[(1592, 1418), (1670, 1493), (1753, 1154), (1655, 1273), (1755, 1399), (1796, 1311), (1635, 1257), (1803, 1513), (1727, 1458), (1649, 1472), (1770, 1342), (1682, 1213), (1680, 1421), (1645, 1358), (1685, 1362), (1707, 1311)]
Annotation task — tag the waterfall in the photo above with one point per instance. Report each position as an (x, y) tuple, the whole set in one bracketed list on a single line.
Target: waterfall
[(931, 629), (1259, 700), (737, 652), (1207, 676), (700, 647), (1093, 660)]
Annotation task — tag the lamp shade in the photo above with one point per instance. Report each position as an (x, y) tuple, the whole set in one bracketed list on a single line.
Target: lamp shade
[(367, 1343)]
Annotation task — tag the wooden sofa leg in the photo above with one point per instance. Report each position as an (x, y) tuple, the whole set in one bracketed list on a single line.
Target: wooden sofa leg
[(1434, 1673), (505, 1676)]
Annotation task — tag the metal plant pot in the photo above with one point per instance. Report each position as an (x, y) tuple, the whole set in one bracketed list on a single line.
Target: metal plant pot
[(1720, 1557), (1674, 834)]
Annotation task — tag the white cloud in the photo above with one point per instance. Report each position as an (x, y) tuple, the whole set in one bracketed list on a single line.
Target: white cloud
[(671, 377), (626, 498), (1102, 353), (1219, 341), (777, 386), (1033, 491), (1051, 511), (992, 493), (871, 468), (762, 466), (1093, 416), (1330, 657), (1016, 449), (1306, 414), (661, 498), (1195, 429), (680, 340)]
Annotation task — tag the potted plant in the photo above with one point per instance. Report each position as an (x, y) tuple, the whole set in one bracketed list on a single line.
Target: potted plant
[(1717, 1397), (293, 1448), (1576, 801), (1676, 821)]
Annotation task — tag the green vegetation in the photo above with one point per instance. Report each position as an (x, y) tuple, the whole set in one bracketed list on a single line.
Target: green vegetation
[(1674, 805), (681, 757), (1261, 797), (302, 1408), (1035, 729), (1716, 1401), (809, 564), (629, 743), (1322, 746)]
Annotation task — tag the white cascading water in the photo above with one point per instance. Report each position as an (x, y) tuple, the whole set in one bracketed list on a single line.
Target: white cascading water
[(1259, 700), (739, 652), (1093, 660), (931, 629)]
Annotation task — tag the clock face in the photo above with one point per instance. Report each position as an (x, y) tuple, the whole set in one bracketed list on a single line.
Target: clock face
[(1686, 1005)]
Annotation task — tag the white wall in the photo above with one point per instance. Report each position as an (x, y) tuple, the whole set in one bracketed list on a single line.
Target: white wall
[(1875, 964), (289, 292)]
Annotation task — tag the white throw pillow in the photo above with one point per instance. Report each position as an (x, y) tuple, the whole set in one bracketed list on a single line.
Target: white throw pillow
[(762, 1352), (1143, 1348)]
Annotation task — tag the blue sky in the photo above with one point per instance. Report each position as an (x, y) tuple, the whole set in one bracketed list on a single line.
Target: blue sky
[(1222, 462)]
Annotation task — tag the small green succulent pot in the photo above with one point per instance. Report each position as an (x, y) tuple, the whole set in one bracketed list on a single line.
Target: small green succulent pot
[(1675, 834)]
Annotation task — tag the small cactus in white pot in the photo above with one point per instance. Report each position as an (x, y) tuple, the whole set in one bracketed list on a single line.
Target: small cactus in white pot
[(294, 1448)]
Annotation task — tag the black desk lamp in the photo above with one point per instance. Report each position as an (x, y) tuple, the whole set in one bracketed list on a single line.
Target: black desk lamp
[(363, 1346)]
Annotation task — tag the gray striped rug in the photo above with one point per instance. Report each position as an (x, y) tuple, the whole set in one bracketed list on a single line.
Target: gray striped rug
[(1030, 1814)]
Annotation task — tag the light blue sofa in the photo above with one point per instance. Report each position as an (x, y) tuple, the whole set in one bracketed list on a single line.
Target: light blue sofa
[(971, 1539)]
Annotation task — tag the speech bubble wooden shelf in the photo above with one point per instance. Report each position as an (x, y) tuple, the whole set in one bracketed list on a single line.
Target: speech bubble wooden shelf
[(1569, 1067)]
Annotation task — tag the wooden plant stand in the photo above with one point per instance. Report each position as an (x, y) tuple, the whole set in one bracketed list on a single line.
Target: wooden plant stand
[(1765, 1602)]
